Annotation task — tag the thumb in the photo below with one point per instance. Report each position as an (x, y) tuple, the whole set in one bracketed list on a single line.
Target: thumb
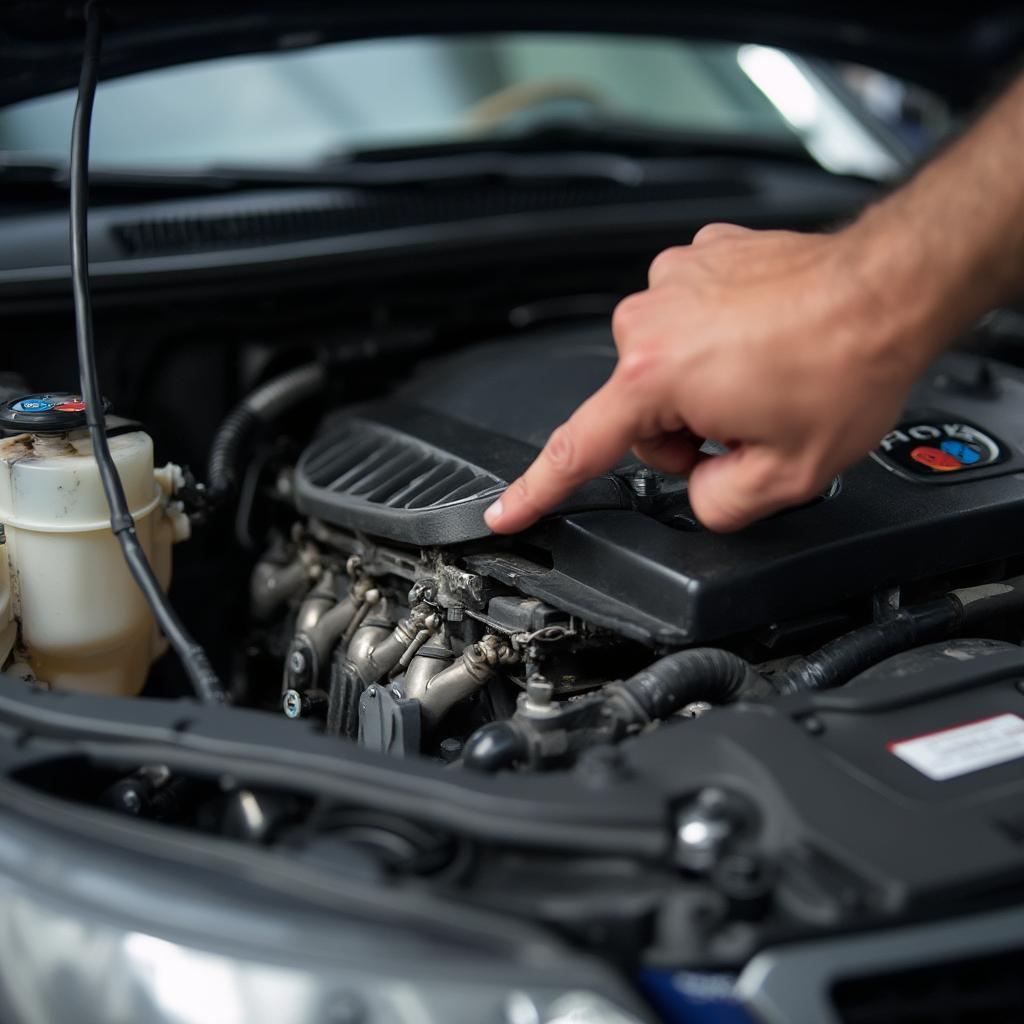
[(731, 491)]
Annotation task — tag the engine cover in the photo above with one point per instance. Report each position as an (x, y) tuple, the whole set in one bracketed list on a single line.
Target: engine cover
[(943, 491)]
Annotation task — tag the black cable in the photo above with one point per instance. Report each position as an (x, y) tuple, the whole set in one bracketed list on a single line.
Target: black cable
[(193, 657)]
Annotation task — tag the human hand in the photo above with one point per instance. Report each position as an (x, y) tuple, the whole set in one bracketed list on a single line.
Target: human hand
[(795, 350)]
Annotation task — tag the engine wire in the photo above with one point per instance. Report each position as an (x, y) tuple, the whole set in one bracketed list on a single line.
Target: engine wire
[(196, 664)]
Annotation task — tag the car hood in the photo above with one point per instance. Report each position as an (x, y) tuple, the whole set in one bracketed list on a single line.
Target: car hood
[(961, 52)]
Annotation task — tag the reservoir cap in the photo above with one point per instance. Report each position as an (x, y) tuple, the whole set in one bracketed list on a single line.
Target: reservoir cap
[(51, 412)]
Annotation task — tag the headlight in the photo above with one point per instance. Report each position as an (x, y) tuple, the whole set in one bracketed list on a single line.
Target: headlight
[(90, 931)]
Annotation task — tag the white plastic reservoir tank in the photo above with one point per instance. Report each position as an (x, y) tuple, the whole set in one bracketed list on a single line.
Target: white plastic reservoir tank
[(75, 616)]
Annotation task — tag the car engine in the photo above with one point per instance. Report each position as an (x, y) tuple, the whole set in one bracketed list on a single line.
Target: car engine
[(399, 622), (665, 746)]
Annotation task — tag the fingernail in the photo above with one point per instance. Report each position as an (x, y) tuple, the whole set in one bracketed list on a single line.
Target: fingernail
[(494, 513)]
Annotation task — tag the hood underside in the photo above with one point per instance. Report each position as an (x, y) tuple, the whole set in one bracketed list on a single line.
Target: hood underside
[(961, 52)]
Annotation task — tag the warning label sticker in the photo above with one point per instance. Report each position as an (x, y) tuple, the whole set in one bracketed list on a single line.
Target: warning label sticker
[(962, 749)]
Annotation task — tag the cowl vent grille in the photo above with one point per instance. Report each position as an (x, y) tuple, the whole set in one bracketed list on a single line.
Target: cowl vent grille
[(354, 213)]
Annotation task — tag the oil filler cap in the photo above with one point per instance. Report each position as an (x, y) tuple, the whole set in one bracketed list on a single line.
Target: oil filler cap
[(52, 412)]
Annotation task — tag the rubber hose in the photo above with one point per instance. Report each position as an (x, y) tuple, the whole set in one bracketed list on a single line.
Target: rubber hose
[(847, 656), (493, 747), (665, 687), (262, 405)]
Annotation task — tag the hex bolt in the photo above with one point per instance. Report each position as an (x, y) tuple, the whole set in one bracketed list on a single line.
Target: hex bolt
[(297, 663), (705, 828), (304, 703), (291, 704), (131, 802), (645, 483)]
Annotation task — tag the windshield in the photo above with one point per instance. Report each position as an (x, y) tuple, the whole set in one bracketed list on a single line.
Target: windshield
[(298, 107)]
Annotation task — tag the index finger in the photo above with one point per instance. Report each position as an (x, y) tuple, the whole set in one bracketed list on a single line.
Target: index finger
[(591, 441)]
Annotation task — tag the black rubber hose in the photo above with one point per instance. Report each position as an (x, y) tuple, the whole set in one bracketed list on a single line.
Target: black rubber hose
[(665, 687), (193, 658), (262, 405), (847, 656), (494, 747)]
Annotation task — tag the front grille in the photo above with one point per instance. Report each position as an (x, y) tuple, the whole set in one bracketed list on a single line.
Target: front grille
[(981, 990)]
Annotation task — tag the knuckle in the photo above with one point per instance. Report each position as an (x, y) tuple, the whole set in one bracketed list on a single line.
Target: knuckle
[(715, 232), (635, 367), (666, 263), (626, 313), (708, 233)]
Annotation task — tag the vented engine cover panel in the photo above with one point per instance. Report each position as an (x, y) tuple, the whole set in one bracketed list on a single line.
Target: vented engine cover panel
[(420, 467)]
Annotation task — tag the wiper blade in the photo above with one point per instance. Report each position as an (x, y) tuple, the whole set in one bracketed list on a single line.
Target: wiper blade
[(626, 156), (442, 169), (607, 139), (54, 175)]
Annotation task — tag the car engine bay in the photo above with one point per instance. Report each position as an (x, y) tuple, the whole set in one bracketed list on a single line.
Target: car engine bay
[(730, 708), (617, 735)]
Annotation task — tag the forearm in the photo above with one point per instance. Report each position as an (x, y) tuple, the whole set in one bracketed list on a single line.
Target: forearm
[(950, 244)]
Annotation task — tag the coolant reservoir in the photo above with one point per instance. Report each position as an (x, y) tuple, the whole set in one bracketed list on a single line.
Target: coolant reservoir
[(81, 622)]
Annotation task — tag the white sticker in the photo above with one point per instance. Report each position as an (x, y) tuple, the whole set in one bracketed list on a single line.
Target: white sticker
[(961, 749)]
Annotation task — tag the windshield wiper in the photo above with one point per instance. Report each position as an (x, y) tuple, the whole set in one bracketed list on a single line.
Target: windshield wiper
[(625, 156), (50, 175), (605, 137)]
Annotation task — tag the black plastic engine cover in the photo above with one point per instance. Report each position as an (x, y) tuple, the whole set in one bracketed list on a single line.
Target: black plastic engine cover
[(856, 822), (944, 491)]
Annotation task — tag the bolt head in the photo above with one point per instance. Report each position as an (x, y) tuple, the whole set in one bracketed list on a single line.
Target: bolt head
[(645, 483), (450, 748), (297, 663), (291, 704), (131, 802)]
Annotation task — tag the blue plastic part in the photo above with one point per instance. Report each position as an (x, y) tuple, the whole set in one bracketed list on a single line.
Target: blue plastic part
[(965, 454), (694, 997)]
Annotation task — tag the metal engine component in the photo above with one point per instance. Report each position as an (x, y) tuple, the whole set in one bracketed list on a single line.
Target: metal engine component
[(321, 621), (479, 663), (372, 655)]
